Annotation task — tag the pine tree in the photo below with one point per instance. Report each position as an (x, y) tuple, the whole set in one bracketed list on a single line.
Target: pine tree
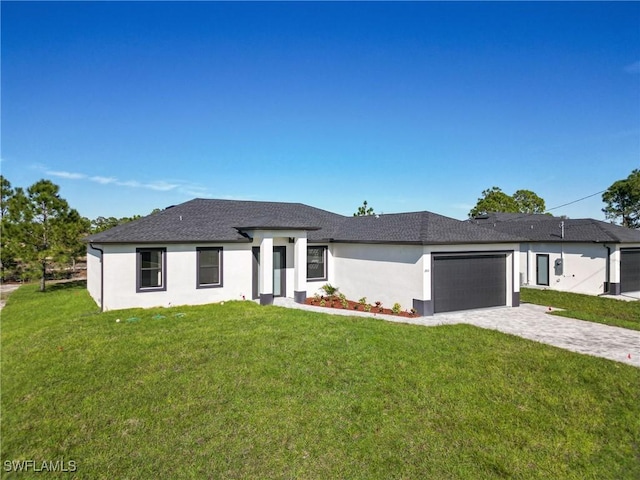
[(41, 228), (364, 210), (623, 201)]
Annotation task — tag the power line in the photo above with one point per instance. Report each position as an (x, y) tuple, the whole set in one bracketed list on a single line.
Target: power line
[(575, 201)]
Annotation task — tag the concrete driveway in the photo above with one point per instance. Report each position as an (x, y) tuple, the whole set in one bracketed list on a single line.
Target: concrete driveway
[(527, 321)]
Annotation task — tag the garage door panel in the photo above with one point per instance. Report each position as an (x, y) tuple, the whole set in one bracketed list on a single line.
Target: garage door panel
[(469, 281), (629, 270)]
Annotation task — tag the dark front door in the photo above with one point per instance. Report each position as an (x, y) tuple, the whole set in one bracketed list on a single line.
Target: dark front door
[(279, 271), (542, 269)]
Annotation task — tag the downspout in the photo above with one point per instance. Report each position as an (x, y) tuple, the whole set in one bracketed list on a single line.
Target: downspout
[(101, 276)]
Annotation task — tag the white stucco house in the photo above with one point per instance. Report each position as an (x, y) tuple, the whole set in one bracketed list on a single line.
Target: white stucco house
[(573, 255), (206, 251)]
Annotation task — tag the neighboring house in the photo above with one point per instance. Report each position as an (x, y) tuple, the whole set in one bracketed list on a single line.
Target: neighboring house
[(205, 251), (574, 255)]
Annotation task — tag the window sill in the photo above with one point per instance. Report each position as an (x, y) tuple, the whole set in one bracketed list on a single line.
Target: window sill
[(151, 289), (204, 287)]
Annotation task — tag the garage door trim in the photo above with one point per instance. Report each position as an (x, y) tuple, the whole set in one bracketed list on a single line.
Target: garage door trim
[(443, 301)]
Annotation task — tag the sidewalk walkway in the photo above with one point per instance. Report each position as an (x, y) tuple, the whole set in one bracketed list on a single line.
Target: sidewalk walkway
[(7, 288), (527, 321)]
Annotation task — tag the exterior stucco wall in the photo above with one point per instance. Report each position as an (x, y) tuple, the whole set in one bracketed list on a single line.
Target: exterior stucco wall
[(181, 270), (385, 273), (93, 274), (584, 266), (181, 267)]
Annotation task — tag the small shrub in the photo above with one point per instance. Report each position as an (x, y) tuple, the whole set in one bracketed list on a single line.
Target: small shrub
[(322, 303), (367, 307), (317, 297), (397, 308), (363, 301), (329, 289), (344, 303), (414, 311)]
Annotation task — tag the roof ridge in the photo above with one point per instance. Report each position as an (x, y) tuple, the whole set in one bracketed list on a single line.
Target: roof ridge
[(424, 225), (604, 230)]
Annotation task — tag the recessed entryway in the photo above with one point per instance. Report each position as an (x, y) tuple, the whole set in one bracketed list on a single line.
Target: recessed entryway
[(279, 271)]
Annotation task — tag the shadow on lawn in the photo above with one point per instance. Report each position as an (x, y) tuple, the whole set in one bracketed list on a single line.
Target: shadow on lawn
[(65, 285)]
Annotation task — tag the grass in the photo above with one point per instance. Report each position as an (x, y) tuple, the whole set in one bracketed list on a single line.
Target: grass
[(243, 391), (618, 313)]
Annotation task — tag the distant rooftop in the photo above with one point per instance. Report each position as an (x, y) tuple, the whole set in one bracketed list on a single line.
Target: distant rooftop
[(547, 228)]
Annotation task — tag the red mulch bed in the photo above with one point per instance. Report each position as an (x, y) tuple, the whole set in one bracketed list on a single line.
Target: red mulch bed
[(354, 306)]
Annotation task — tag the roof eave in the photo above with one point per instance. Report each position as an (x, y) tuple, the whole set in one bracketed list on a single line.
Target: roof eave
[(263, 227), (163, 242)]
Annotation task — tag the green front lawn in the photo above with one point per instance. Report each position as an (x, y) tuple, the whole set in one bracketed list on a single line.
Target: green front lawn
[(243, 391), (618, 313)]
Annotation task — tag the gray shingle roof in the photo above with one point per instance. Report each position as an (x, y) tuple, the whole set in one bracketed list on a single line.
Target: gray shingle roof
[(204, 220), (546, 228), (416, 227)]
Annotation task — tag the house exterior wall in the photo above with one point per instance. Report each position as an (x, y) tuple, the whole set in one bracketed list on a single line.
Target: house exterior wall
[(181, 277), (181, 269), (402, 273), (381, 272), (584, 268), (94, 278), (384, 273)]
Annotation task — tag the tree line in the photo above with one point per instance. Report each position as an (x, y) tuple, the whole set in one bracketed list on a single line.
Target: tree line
[(622, 200), (40, 233)]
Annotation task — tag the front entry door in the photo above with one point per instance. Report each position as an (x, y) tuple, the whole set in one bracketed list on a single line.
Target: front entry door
[(279, 272), (279, 276)]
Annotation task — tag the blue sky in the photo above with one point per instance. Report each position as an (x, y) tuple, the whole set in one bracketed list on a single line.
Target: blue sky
[(411, 106)]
